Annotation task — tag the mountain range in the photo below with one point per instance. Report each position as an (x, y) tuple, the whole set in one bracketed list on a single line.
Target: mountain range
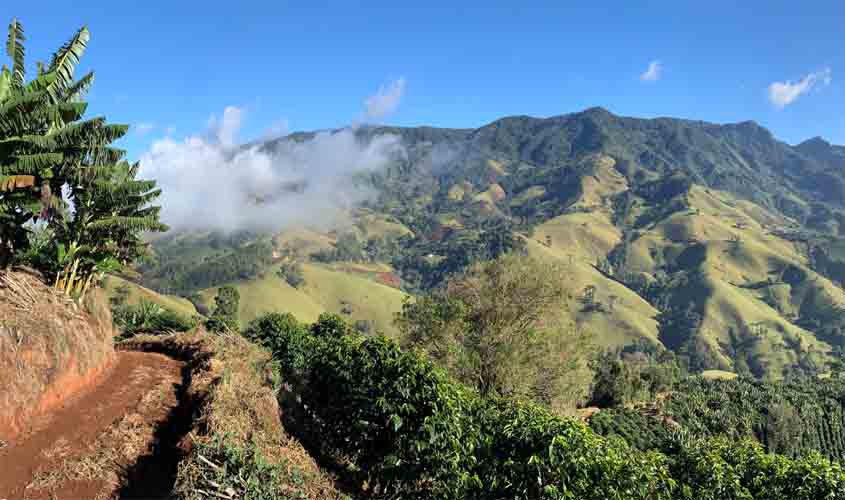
[(716, 241)]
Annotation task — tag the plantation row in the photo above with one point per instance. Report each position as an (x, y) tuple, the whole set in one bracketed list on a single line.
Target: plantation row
[(409, 431), (789, 418), (792, 419), (642, 432)]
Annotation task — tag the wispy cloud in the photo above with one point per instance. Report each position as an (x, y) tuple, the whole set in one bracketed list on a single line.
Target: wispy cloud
[(782, 94), (144, 128), (653, 72), (225, 130), (208, 182), (386, 100)]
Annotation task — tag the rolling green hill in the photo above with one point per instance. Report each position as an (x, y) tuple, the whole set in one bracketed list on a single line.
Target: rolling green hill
[(138, 293), (718, 242)]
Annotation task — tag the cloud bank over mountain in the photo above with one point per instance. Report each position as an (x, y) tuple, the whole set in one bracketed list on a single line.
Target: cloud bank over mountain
[(209, 182)]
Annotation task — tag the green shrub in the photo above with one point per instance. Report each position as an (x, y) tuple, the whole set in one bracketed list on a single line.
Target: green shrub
[(291, 272), (643, 432), (392, 413), (530, 453), (330, 325), (287, 338), (723, 469), (149, 317), (225, 315), (409, 431)]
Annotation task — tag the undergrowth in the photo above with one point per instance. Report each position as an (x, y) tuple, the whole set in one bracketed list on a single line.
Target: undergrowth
[(238, 447)]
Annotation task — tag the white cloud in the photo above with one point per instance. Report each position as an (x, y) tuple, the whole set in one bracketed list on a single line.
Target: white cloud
[(386, 100), (144, 128), (209, 184), (782, 94), (653, 72), (225, 130)]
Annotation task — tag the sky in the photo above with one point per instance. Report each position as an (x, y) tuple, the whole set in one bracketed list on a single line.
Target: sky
[(171, 69)]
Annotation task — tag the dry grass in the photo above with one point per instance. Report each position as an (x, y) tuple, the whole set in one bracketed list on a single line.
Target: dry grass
[(49, 346), (234, 384), (104, 460)]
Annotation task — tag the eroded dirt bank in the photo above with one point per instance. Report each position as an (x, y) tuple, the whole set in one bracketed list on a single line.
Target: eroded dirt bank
[(50, 348), (122, 433)]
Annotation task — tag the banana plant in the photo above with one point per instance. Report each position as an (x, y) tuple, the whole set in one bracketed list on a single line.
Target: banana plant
[(46, 147)]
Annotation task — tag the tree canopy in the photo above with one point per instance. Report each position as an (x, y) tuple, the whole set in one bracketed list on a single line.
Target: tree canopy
[(501, 327)]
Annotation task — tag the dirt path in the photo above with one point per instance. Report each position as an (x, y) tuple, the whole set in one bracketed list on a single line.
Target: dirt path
[(124, 432)]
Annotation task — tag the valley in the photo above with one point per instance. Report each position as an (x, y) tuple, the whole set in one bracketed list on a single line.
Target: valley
[(696, 237), (584, 306)]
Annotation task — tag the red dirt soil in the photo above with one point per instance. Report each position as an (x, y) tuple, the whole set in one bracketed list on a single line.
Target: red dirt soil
[(69, 382), (82, 420)]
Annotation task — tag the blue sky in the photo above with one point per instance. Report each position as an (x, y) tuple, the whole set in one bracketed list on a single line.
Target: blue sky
[(168, 67)]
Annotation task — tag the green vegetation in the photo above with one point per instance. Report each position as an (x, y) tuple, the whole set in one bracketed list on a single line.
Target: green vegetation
[(46, 147), (123, 290), (291, 272), (791, 418), (692, 248), (225, 314), (412, 432), (426, 264), (639, 373), (796, 419), (145, 317), (186, 265), (500, 328)]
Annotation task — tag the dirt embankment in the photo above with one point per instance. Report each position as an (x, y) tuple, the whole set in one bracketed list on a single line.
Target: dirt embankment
[(237, 446), (50, 348), (117, 439), (193, 415)]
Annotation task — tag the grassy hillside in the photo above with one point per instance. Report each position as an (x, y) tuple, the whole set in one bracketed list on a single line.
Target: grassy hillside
[(138, 293), (270, 294), (350, 290), (718, 242), (352, 293), (630, 319)]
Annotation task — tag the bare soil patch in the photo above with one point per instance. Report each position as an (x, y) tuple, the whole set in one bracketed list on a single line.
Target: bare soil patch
[(119, 438)]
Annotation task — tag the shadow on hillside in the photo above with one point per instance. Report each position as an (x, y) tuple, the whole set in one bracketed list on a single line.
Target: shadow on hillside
[(153, 475), (299, 422)]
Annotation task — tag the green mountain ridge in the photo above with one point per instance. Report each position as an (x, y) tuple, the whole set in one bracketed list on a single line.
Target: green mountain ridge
[(719, 242)]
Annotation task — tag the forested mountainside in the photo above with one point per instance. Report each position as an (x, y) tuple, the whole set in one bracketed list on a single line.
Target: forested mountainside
[(718, 242)]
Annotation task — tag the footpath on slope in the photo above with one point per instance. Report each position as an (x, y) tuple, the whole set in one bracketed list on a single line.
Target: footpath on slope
[(117, 439)]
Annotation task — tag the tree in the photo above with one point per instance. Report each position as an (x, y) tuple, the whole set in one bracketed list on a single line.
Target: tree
[(45, 148), (589, 297), (104, 232), (500, 327), (291, 272), (225, 314), (784, 427), (615, 382), (639, 371)]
